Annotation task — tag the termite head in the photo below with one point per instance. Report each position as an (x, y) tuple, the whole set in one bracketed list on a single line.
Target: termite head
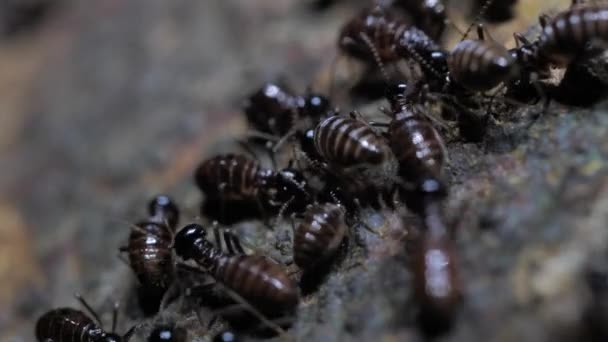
[(504, 67), (188, 241), (289, 185), (164, 208), (307, 144), (396, 94), (315, 106)]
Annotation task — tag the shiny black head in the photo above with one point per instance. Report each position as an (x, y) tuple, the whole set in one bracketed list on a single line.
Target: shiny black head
[(396, 93), (167, 334), (290, 186), (226, 336), (307, 144), (316, 106), (163, 207), (188, 239), (439, 61)]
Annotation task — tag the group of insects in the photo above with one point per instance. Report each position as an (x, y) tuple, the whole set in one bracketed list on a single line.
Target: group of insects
[(343, 163)]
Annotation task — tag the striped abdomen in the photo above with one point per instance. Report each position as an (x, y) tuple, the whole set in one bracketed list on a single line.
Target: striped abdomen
[(565, 36), (480, 65), (379, 28), (416, 145), (228, 177), (319, 235), (259, 280), (347, 142), (66, 325), (150, 255)]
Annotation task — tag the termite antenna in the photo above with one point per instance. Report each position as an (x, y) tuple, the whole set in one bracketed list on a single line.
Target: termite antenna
[(374, 52), (477, 19), (422, 61), (453, 25), (88, 308)]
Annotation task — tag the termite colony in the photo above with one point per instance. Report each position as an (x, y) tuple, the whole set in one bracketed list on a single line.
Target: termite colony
[(328, 166)]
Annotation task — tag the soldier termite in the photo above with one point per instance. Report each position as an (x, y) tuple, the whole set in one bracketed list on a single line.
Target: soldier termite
[(67, 324), (150, 254)]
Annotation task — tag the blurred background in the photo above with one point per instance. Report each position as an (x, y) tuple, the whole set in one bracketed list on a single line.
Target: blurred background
[(104, 103)]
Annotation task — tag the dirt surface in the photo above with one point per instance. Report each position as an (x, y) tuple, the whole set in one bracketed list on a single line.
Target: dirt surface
[(107, 103)]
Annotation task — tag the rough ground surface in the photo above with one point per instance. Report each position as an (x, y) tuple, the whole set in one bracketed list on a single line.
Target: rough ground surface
[(111, 102)]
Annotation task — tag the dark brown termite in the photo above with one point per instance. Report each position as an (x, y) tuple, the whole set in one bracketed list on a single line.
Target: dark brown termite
[(481, 65), (150, 254), (236, 178), (413, 139), (319, 234), (352, 149), (273, 110), (416, 145), (375, 35), (566, 35), (437, 284), (258, 280), (71, 325)]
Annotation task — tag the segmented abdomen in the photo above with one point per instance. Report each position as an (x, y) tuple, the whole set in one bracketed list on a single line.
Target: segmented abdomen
[(479, 65), (346, 142), (150, 254), (258, 280), (416, 145), (65, 325), (567, 33), (379, 28), (319, 235), (228, 177)]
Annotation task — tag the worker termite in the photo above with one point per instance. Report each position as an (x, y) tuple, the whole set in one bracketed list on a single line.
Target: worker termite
[(274, 111), (352, 149), (319, 234), (67, 324), (566, 35), (436, 280), (257, 279), (234, 178), (149, 251), (375, 35), (481, 64)]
